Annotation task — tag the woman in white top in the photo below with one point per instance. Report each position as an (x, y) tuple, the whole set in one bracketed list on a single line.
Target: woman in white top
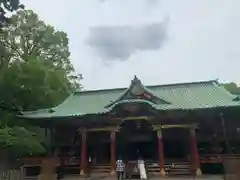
[(142, 170)]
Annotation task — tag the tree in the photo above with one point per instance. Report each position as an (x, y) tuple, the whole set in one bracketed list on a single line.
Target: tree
[(35, 73), (32, 85), (232, 87), (8, 5), (16, 140), (27, 37), (19, 142), (30, 46)]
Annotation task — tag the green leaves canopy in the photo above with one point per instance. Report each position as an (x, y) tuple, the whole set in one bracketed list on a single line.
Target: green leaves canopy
[(35, 72), (9, 5), (19, 142), (27, 38), (32, 85), (35, 64), (232, 87)]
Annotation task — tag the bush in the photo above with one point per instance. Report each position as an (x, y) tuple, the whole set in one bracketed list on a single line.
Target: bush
[(18, 142)]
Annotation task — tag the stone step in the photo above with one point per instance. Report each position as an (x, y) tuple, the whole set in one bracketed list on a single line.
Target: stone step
[(100, 174), (100, 167), (153, 168), (101, 170), (172, 169), (73, 177), (180, 168), (96, 168)]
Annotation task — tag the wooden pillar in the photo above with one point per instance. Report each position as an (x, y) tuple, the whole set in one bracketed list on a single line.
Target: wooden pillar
[(52, 139), (48, 169), (83, 152), (195, 155), (113, 153), (161, 152)]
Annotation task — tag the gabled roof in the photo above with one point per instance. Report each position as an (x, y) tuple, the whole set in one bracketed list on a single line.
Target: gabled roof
[(186, 96), (137, 92)]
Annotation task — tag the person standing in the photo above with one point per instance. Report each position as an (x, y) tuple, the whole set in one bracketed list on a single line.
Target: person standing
[(120, 168), (141, 167)]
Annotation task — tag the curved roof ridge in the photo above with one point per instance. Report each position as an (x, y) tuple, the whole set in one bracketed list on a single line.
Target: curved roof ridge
[(183, 96), (147, 86)]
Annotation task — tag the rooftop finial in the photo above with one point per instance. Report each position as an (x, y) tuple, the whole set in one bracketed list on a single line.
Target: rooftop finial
[(135, 79)]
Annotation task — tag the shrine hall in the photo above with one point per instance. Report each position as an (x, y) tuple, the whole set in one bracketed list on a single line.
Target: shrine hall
[(178, 129)]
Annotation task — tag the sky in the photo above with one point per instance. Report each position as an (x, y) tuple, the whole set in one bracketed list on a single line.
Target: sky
[(159, 41)]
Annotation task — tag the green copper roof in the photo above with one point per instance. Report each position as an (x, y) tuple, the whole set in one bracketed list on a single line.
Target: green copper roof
[(186, 96)]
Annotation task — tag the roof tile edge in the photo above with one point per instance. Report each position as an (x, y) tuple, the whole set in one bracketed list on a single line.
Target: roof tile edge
[(148, 86)]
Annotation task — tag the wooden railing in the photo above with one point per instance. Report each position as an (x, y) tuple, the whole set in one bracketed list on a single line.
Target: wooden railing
[(213, 158), (11, 175), (63, 161), (65, 165)]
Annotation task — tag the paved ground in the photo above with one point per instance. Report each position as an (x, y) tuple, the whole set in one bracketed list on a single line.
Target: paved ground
[(153, 178)]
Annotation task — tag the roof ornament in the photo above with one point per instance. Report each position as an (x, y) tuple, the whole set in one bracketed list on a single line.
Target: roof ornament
[(136, 80), (136, 86)]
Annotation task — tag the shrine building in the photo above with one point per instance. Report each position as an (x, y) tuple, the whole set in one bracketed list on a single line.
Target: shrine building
[(177, 129)]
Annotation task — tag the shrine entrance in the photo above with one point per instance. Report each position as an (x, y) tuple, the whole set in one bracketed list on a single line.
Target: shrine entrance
[(137, 139), (176, 143)]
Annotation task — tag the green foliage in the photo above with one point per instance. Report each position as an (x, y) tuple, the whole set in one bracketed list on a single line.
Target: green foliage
[(35, 73), (32, 85), (36, 65), (232, 87), (8, 5), (19, 142), (28, 38)]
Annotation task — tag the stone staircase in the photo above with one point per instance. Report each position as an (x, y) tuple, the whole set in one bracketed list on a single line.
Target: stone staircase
[(100, 170), (153, 168), (171, 169), (178, 169)]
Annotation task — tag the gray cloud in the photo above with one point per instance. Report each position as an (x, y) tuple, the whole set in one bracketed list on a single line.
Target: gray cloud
[(120, 42)]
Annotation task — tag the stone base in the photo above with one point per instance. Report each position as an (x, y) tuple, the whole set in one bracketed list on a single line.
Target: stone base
[(47, 176), (113, 172), (198, 172), (162, 172), (82, 172), (231, 176)]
